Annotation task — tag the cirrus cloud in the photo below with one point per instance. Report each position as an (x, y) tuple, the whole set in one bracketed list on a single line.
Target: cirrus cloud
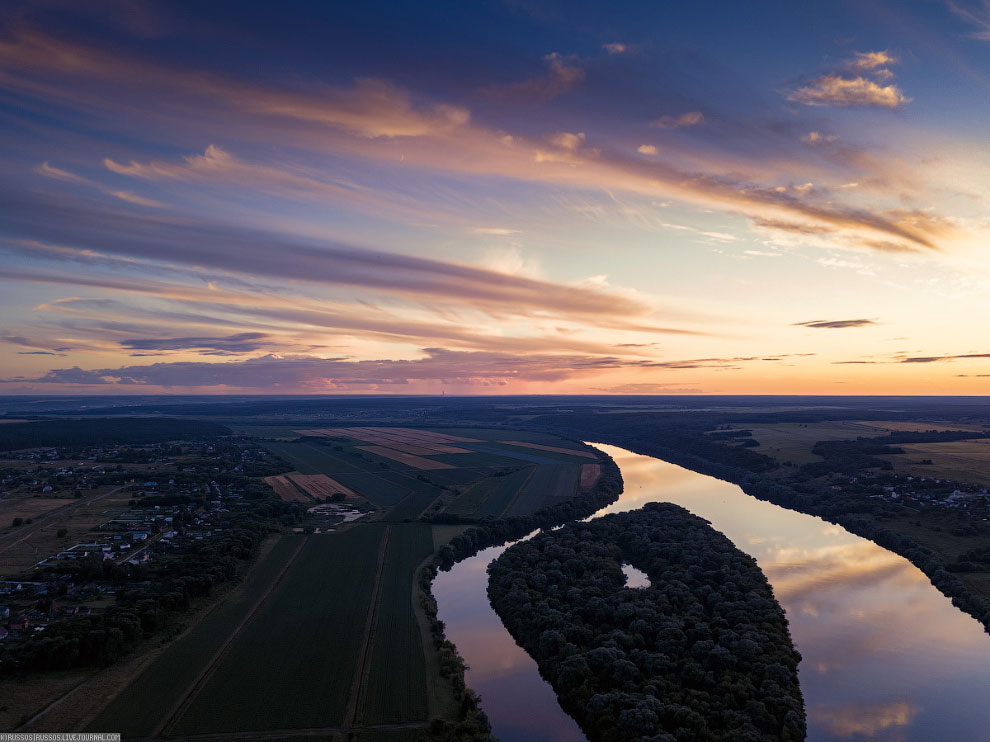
[(836, 324)]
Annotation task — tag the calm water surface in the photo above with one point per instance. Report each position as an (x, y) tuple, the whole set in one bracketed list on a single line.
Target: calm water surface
[(886, 656)]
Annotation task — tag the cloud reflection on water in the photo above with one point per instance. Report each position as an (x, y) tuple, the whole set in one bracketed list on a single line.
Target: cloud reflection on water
[(875, 635)]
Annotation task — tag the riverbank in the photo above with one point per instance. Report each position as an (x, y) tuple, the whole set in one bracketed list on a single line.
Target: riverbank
[(467, 543), (933, 563), (885, 655)]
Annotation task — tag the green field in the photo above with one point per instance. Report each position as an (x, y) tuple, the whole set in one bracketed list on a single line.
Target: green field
[(506, 492), (176, 669), (396, 690), (423, 493), (474, 459), (495, 434), (267, 431), (492, 495), (965, 461), (474, 497), (323, 634), (548, 484), (292, 667), (313, 458), (376, 487), (549, 455), (460, 476)]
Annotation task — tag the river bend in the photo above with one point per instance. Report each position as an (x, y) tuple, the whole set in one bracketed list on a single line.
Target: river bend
[(886, 656)]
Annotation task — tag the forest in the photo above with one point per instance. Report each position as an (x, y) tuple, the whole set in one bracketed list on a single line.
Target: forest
[(116, 431), (702, 653)]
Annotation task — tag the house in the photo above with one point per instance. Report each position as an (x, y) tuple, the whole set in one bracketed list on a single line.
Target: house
[(18, 623)]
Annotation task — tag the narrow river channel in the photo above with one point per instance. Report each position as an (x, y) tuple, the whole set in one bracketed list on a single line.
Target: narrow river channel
[(886, 656)]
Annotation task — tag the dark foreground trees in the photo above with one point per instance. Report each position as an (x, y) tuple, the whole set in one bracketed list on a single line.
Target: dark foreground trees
[(703, 653)]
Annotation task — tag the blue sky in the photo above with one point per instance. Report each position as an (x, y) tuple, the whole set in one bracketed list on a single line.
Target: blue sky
[(494, 197)]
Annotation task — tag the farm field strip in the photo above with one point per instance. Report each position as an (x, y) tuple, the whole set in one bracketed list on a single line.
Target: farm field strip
[(309, 458), (415, 461), (395, 690), (319, 485), (554, 449), (403, 447), (374, 487), (505, 495), (411, 433), (423, 494), (417, 449), (491, 435), (286, 489), (412, 506), (204, 676), (293, 664), (459, 476), (547, 485), (363, 669), (474, 497), (425, 443), (483, 456), (590, 474), (175, 670)]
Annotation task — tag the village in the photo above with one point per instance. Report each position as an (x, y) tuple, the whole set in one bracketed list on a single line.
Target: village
[(917, 493), (154, 502)]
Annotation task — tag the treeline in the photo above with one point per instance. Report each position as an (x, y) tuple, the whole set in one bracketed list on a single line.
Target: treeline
[(849, 457), (688, 433), (704, 653), (852, 456), (473, 725), (930, 436), (107, 431)]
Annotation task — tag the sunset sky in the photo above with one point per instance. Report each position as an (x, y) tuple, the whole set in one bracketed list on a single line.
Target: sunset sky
[(495, 197)]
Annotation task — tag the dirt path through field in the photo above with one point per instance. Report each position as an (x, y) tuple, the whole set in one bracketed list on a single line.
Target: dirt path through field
[(176, 712), (360, 682)]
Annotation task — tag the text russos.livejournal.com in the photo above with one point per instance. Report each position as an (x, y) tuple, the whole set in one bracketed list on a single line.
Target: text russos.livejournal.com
[(59, 737)]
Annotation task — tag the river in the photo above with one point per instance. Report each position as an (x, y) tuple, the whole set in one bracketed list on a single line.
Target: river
[(886, 656)]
